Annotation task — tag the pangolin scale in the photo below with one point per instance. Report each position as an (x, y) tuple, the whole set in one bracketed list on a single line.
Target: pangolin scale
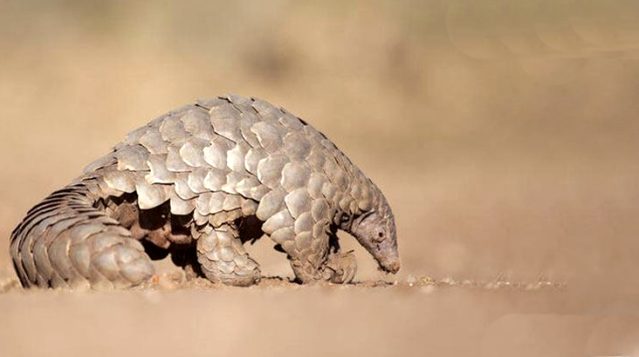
[(209, 176)]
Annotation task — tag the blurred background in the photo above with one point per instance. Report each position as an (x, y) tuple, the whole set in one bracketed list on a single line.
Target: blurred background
[(504, 133)]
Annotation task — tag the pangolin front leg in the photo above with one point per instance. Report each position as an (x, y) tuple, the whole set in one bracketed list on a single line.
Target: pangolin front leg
[(341, 267), (222, 257), (302, 233), (313, 259)]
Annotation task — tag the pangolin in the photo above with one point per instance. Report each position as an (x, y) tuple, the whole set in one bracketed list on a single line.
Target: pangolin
[(198, 183)]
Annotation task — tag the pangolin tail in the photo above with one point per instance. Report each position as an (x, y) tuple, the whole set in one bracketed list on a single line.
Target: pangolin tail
[(67, 240)]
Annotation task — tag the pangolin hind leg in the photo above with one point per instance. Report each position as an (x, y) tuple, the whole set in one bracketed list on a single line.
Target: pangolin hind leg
[(222, 257)]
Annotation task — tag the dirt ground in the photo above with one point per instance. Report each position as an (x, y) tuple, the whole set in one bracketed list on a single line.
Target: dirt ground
[(504, 135)]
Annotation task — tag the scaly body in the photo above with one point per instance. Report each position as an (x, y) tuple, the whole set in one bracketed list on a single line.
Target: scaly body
[(210, 175)]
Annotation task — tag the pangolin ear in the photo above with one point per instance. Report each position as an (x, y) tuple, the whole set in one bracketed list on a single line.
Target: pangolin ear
[(365, 215), (362, 218)]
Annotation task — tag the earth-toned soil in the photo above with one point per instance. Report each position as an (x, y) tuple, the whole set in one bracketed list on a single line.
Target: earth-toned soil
[(504, 135)]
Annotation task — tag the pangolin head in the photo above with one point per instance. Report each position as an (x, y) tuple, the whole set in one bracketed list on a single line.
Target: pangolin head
[(375, 231)]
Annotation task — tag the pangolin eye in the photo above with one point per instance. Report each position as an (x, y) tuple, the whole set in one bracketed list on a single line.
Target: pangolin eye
[(380, 237)]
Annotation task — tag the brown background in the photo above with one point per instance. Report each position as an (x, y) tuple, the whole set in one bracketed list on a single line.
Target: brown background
[(503, 133)]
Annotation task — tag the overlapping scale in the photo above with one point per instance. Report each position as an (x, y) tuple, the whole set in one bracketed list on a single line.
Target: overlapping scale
[(132, 158)]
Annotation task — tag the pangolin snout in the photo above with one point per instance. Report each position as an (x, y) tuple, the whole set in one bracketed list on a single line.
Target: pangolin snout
[(390, 266)]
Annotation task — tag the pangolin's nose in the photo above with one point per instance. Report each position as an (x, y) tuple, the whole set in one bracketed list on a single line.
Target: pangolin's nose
[(391, 266)]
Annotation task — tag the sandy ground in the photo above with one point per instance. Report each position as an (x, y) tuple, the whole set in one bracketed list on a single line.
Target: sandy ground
[(342, 321), (504, 135)]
